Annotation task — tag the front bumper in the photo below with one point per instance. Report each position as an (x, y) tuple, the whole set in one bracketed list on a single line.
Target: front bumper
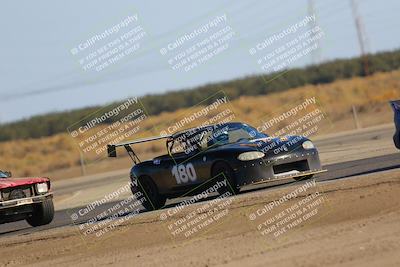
[(24, 201), (277, 168)]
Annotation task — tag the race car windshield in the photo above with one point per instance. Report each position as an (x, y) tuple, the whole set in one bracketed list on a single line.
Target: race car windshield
[(233, 133), (237, 132), (3, 175)]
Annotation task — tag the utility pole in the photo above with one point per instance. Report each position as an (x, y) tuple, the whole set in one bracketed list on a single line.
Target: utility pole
[(355, 118), (315, 54), (83, 168), (361, 35)]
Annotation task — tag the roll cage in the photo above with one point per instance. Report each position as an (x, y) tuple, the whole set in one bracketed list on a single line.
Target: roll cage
[(191, 140)]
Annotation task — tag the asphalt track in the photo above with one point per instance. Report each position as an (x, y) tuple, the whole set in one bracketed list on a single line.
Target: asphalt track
[(335, 171)]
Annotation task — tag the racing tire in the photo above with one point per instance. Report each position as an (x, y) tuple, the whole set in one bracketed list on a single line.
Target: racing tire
[(153, 200), (43, 213), (303, 178), (224, 171)]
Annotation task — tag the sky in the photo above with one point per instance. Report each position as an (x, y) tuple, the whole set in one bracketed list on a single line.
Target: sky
[(52, 58)]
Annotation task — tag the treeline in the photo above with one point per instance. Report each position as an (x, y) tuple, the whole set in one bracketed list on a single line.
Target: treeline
[(50, 124)]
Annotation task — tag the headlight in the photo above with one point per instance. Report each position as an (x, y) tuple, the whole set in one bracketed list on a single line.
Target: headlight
[(250, 155), (42, 188), (308, 145)]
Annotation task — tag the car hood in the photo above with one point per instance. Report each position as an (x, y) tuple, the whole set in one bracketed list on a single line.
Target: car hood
[(272, 145), (13, 182)]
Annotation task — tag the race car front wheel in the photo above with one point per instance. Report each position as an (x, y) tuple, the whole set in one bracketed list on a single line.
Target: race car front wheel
[(43, 213), (152, 199)]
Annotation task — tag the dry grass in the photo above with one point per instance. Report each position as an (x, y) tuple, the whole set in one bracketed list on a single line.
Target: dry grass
[(58, 156)]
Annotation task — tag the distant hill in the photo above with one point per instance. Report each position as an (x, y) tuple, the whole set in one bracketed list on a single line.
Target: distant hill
[(53, 123), (58, 156)]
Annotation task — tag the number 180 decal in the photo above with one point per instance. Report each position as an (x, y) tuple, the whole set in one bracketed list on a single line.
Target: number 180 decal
[(183, 173)]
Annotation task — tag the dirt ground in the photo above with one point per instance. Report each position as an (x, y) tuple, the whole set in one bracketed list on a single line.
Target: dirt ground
[(347, 222)]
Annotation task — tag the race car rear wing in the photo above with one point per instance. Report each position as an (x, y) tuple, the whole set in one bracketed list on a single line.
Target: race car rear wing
[(112, 148)]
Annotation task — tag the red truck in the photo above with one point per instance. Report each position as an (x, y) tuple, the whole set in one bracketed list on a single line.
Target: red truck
[(27, 199)]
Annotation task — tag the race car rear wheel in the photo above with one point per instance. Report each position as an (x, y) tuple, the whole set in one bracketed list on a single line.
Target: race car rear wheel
[(153, 200), (223, 172), (43, 213)]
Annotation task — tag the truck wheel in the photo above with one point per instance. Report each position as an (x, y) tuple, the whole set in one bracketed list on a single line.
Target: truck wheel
[(152, 199), (43, 213), (223, 172)]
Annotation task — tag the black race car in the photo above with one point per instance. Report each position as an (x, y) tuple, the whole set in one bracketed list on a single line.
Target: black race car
[(232, 152), (396, 109)]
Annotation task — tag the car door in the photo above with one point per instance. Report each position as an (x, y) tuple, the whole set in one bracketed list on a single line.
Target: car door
[(192, 168), (180, 171)]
